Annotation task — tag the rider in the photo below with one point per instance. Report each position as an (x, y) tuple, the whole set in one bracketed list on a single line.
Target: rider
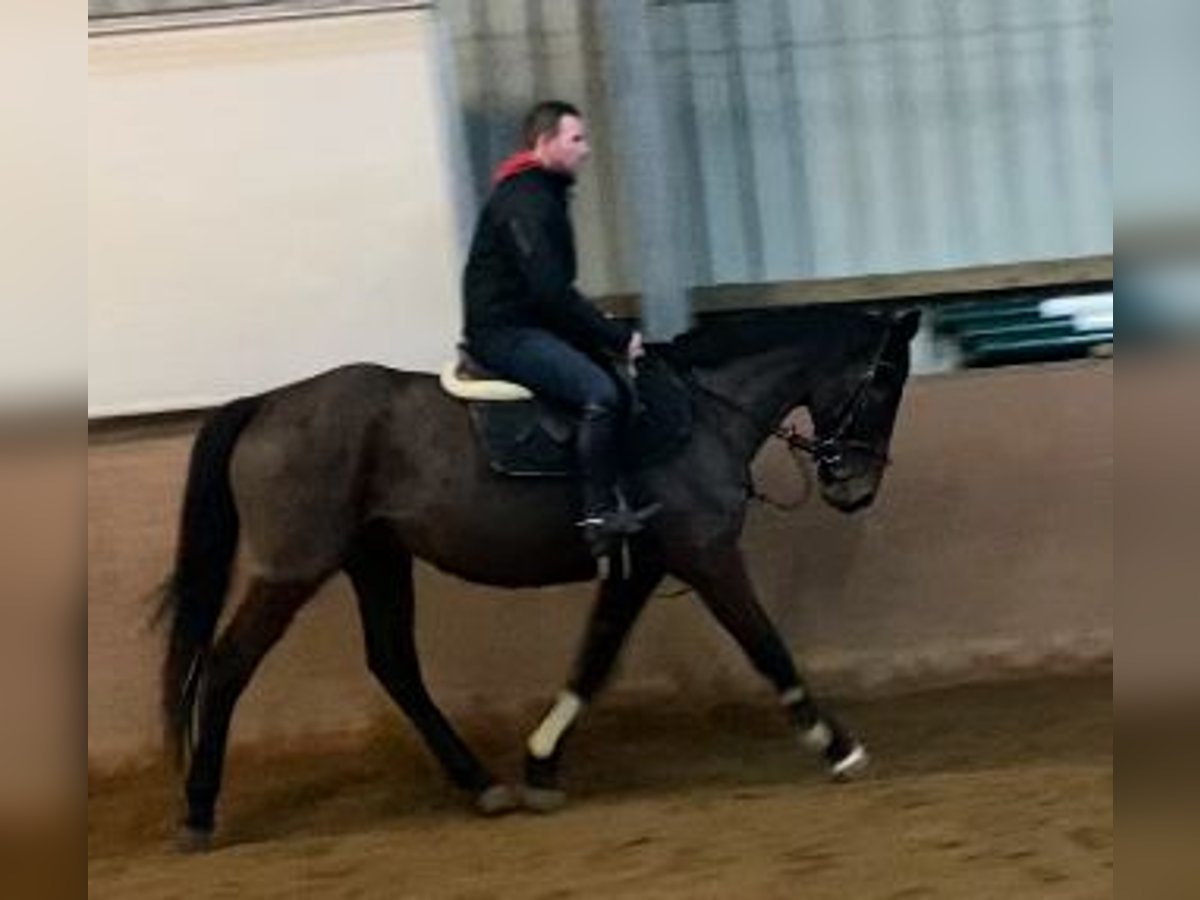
[(524, 318)]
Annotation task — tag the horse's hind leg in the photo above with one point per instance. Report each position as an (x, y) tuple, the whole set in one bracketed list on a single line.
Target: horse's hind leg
[(381, 570), (721, 579), (260, 621), (616, 609)]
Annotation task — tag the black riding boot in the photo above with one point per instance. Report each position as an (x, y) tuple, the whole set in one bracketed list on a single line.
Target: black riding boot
[(597, 448), (606, 519)]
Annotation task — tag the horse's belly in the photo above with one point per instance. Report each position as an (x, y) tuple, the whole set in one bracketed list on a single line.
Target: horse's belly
[(509, 548)]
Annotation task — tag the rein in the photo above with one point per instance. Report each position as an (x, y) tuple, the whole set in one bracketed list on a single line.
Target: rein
[(798, 446), (825, 452)]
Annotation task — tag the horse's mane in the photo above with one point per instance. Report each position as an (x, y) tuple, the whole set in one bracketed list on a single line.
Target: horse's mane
[(720, 337)]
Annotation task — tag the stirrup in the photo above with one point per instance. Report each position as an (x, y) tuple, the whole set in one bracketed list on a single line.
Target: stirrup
[(610, 549), (600, 538), (621, 521), (607, 533)]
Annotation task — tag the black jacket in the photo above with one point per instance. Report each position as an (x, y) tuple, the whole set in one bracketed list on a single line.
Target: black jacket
[(521, 268)]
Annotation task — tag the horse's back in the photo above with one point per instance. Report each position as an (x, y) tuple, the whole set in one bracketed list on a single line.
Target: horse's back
[(325, 417), (341, 384)]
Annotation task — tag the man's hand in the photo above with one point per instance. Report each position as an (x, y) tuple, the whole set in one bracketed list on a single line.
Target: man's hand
[(636, 349)]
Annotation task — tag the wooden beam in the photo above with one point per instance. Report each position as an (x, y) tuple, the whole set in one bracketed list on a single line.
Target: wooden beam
[(151, 17), (1005, 278)]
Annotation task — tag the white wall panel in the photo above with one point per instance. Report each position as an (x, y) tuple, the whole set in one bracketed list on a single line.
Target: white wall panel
[(265, 201)]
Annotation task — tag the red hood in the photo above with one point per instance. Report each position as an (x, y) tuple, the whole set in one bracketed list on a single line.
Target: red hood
[(519, 162)]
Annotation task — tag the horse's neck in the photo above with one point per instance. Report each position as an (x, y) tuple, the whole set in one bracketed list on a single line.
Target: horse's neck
[(770, 364), (760, 390)]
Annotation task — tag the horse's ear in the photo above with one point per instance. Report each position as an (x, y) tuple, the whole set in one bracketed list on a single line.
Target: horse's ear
[(906, 323)]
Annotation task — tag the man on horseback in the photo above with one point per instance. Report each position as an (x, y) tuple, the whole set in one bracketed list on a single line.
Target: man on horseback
[(524, 318)]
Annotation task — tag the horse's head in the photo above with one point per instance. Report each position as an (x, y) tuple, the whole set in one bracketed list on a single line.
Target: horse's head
[(847, 367), (853, 413)]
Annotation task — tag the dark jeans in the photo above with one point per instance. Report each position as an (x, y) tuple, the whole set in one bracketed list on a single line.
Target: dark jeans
[(547, 365), (552, 368)]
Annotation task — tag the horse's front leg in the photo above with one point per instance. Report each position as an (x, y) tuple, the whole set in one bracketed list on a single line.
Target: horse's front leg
[(617, 607), (720, 577)]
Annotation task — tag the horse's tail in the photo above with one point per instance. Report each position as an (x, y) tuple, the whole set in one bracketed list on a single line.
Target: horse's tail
[(194, 594)]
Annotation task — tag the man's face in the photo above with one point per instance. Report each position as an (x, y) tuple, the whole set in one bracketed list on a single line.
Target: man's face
[(567, 149)]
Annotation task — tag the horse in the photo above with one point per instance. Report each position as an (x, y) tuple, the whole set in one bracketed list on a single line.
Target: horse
[(364, 468)]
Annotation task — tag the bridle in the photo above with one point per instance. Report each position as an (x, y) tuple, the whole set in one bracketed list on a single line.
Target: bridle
[(831, 450), (827, 452)]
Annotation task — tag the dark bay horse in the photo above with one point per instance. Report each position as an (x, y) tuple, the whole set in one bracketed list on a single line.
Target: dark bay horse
[(362, 469)]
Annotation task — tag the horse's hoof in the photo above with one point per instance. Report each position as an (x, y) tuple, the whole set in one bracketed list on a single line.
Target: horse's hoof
[(194, 840), (497, 800), (543, 799), (852, 766)]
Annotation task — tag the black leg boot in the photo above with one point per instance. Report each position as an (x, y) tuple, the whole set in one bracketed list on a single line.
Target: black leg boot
[(597, 450), (607, 518)]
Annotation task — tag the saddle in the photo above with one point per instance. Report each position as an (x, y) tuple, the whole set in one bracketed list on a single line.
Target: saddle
[(524, 435)]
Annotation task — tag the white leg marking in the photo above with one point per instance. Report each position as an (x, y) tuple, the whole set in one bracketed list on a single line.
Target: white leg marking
[(544, 740), (854, 763), (818, 738)]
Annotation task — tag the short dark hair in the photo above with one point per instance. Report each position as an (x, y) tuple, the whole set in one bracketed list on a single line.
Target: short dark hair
[(543, 119)]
